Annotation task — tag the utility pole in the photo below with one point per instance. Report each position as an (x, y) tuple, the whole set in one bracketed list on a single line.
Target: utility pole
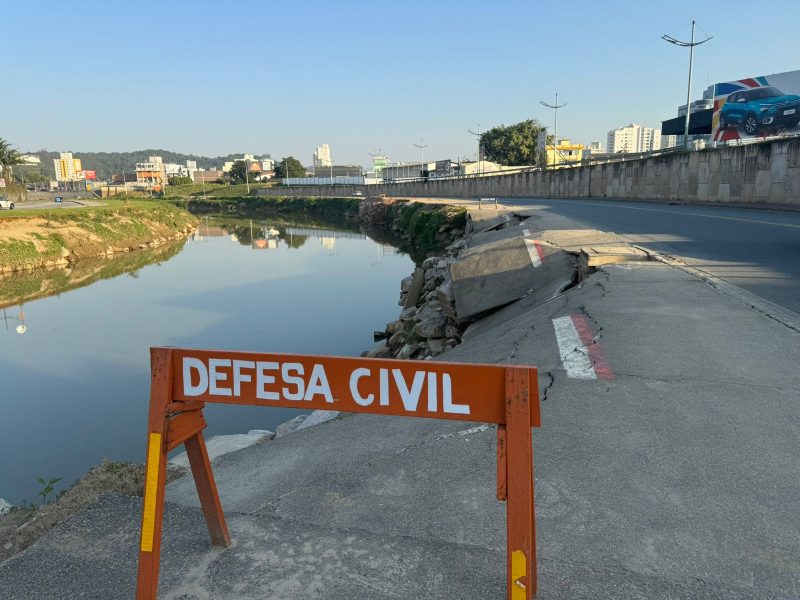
[(690, 44), (422, 147), (555, 108), (479, 165)]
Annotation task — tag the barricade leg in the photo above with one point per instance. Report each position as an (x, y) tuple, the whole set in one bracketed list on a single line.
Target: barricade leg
[(207, 490), (155, 475), (521, 528)]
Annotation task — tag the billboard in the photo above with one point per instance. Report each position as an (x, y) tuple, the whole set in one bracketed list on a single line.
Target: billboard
[(91, 175), (756, 107)]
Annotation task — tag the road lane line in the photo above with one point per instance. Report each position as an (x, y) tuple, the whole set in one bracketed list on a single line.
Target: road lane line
[(535, 252), (593, 347), (574, 356)]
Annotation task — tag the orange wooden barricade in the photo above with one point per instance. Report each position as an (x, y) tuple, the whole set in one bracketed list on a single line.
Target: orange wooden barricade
[(184, 380)]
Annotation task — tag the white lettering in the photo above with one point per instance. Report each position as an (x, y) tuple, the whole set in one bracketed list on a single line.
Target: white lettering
[(410, 397), (354, 377), (215, 376), (432, 393), (447, 398), (239, 377), (286, 369), (318, 384), (262, 380), (197, 365), (384, 387)]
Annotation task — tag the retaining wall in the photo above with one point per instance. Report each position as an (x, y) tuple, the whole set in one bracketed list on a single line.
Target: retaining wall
[(767, 172)]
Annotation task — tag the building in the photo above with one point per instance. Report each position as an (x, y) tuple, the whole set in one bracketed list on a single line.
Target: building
[(321, 158), (633, 138), (593, 148), (151, 174), (565, 152), (203, 176), (67, 168)]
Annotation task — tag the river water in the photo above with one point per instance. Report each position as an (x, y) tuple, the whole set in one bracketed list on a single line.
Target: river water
[(74, 383)]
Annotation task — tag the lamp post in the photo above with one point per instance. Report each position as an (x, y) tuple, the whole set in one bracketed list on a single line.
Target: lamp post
[(690, 44), (422, 147), (555, 108), (479, 170)]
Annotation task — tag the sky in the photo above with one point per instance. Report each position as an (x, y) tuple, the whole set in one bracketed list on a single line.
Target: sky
[(263, 77)]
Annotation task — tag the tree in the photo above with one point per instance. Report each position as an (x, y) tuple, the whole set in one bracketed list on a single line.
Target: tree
[(8, 158), (238, 172), (179, 180), (513, 144), (291, 165)]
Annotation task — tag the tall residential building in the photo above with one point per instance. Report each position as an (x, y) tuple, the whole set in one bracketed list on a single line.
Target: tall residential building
[(633, 138), (322, 157), (67, 168), (669, 141)]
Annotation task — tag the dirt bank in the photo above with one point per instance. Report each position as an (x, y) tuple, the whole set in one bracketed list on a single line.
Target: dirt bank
[(32, 240)]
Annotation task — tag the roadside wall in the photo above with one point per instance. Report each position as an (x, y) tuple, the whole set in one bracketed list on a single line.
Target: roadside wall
[(767, 172)]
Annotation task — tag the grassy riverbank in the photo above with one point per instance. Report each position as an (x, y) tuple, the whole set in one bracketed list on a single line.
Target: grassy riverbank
[(34, 239)]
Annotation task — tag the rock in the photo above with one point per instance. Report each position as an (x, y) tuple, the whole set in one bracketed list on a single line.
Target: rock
[(397, 340), (380, 350), (436, 345), (408, 313), (290, 425), (394, 327), (451, 331), (317, 418), (430, 262), (379, 335), (445, 291), (416, 288), (431, 327), (405, 284), (429, 309), (407, 351), (4, 506)]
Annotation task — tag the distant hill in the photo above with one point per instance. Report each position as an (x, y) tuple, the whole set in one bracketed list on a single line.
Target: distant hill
[(108, 163)]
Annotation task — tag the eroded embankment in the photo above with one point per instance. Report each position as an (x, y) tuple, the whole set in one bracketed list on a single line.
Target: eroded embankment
[(34, 240), (414, 227)]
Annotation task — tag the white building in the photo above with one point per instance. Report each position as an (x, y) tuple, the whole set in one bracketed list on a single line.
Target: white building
[(322, 157), (633, 138), (593, 148)]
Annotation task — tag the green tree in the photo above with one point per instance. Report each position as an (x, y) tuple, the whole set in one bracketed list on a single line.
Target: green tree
[(179, 180), (513, 144), (8, 158), (238, 172), (289, 167)]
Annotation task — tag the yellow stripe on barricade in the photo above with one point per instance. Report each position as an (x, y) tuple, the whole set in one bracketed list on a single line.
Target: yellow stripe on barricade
[(151, 491)]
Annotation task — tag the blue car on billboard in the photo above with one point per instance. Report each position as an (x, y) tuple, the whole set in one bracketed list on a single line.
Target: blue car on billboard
[(759, 108)]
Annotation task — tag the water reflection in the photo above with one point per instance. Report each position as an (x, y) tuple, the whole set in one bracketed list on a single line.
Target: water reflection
[(74, 387), (20, 327)]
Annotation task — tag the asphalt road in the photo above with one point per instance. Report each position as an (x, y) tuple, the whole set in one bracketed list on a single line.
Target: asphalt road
[(47, 204), (757, 250)]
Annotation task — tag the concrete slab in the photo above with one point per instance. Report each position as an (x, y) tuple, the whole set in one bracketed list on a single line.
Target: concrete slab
[(597, 256), (223, 444), (496, 274), (486, 219)]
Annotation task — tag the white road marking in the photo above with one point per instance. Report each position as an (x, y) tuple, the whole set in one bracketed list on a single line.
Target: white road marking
[(533, 252), (574, 356)]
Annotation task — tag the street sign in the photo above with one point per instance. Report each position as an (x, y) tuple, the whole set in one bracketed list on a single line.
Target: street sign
[(183, 381), (2, 182), (59, 199)]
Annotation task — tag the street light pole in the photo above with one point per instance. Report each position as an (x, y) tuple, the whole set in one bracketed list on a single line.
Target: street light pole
[(479, 170), (690, 44), (555, 108), (422, 147)]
